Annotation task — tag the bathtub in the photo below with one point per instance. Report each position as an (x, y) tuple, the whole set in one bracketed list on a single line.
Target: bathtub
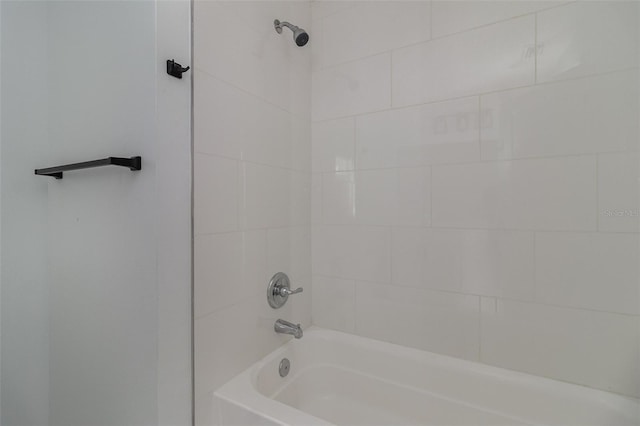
[(341, 379)]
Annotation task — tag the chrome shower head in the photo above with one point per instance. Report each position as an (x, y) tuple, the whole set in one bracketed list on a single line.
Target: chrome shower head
[(300, 36)]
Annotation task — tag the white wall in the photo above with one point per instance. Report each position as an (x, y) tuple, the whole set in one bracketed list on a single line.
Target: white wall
[(173, 216), (474, 195), (24, 293), (110, 247), (252, 184)]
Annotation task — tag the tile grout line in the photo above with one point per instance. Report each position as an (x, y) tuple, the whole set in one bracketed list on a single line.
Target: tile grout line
[(535, 49), (355, 307), (480, 128), (444, 228), (430, 197), (498, 160), (323, 44), (472, 95), (431, 20), (391, 79), (335, 12), (390, 251), (535, 266), (355, 143), (202, 235), (321, 218), (242, 201), (440, 37), (465, 163), (597, 161), (256, 163), (480, 328), (477, 295), (251, 94)]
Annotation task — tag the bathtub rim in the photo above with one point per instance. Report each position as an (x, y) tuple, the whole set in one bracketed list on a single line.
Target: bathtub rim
[(243, 389)]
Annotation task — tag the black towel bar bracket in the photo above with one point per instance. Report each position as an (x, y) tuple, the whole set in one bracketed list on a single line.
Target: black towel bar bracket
[(133, 163)]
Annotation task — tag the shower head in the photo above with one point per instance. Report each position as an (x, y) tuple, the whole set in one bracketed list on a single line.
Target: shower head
[(300, 36)]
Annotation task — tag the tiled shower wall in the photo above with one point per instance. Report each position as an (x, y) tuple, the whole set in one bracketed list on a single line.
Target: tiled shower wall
[(252, 175), (475, 181)]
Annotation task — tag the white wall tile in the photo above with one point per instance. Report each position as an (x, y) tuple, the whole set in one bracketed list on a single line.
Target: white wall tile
[(590, 116), (259, 14), (478, 61), (374, 27), (221, 112), (393, 197), (588, 270), (411, 197), (318, 36), (207, 332), (233, 348), (218, 259), (322, 8), (254, 263), (491, 263), (206, 413), (377, 197), (253, 113), (549, 194), (619, 192), (300, 153), (442, 132), (260, 61), (435, 321), (352, 252), (216, 194), (587, 347), (339, 198), (333, 145), (266, 197), (585, 38), (582, 116), (274, 197), (300, 205), (334, 303), (488, 305), (454, 16), (300, 311), (216, 99), (236, 261), (374, 197), (352, 88), (289, 251)]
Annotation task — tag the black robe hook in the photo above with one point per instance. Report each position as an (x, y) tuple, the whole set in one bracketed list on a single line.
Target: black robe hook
[(175, 69)]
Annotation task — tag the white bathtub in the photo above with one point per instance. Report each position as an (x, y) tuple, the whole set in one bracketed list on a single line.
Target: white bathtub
[(340, 379)]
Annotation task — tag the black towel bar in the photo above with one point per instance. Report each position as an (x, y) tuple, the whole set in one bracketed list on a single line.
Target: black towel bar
[(133, 163)]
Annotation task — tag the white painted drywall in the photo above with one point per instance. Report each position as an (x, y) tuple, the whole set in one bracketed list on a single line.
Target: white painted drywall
[(96, 266)]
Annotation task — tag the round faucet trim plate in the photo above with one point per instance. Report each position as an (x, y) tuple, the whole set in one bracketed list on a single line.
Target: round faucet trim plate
[(279, 290)]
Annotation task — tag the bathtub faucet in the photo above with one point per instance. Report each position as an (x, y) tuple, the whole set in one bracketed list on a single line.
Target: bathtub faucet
[(285, 327)]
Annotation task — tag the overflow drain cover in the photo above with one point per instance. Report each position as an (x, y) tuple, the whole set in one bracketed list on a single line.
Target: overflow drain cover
[(285, 365)]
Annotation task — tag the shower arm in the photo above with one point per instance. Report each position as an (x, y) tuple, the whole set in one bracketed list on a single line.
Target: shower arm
[(279, 26)]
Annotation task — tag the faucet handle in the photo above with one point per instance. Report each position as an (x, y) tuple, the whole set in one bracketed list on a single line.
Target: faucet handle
[(286, 292), (279, 290)]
